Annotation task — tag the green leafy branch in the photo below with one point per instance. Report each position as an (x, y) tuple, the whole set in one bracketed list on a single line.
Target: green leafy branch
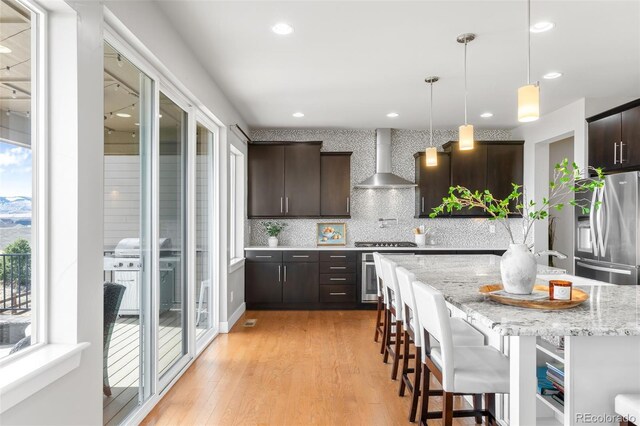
[(566, 188)]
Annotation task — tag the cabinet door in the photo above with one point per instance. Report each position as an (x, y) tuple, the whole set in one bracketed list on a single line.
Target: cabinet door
[(433, 183), (263, 282), (266, 181), (335, 185), (630, 151), (469, 169), (302, 180), (604, 142), (504, 167), (300, 282)]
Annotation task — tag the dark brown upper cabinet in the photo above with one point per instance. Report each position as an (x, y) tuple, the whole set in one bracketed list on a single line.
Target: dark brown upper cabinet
[(335, 184), (492, 165), (284, 179), (433, 182), (614, 138)]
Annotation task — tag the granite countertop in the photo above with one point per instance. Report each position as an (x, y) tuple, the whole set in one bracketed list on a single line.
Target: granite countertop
[(611, 310), (380, 249)]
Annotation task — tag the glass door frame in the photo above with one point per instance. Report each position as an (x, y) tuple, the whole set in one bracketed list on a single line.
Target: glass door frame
[(188, 229), (214, 217)]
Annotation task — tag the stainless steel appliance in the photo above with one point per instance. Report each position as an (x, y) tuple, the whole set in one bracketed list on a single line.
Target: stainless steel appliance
[(123, 266), (607, 240), (369, 290)]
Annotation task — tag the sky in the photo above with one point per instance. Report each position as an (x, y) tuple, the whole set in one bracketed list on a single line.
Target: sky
[(15, 170)]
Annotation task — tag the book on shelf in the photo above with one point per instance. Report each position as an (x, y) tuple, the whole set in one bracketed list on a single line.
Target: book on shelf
[(554, 378), (559, 398), (545, 386), (557, 368), (559, 387)]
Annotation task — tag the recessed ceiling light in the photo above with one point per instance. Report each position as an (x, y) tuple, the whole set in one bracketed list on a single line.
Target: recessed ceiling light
[(486, 115), (4, 49), (540, 27), (298, 114), (282, 28), (393, 115), (551, 75), (123, 114)]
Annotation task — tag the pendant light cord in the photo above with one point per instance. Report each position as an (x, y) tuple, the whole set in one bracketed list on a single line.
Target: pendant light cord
[(431, 114), (528, 41), (465, 82)]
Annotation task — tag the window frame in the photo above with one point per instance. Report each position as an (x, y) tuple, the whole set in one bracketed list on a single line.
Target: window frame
[(236, 206)]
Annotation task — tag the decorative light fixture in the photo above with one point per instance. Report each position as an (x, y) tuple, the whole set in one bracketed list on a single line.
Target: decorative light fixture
[(393, 115), (282, 28), (465, 132), (529, 95), (431, 153), (123, 115), (119, 59)]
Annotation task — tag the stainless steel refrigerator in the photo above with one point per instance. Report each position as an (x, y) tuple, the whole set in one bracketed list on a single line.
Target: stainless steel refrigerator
[(607, 238)]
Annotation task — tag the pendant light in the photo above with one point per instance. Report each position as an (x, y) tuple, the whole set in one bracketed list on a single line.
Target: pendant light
[(431, 153), (465, 132), (529, 95)]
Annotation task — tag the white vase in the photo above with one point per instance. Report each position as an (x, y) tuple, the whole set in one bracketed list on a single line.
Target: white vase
[(273, 241), (518, 269)]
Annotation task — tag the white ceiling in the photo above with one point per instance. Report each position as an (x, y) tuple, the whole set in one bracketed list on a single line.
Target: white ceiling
[(350, 63)]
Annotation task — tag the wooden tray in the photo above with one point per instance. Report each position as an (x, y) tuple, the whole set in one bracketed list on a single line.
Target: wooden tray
[(577, 297)]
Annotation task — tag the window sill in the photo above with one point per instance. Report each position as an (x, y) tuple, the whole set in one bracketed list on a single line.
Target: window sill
[(235, 264), (21, 378)]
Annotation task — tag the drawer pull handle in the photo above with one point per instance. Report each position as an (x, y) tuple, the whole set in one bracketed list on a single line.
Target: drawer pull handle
[(337, 294), (335, 256), (264, 257), (300, 255), (337, 267), (337, 279)]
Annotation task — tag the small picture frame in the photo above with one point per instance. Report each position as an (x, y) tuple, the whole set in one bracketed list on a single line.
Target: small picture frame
[(331, 234)]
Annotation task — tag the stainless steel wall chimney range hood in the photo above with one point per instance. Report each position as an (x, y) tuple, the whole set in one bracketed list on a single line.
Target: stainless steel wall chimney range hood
[(383, 178)]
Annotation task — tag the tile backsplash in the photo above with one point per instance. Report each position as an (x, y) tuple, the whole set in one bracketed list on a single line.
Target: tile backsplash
[(368, 205)]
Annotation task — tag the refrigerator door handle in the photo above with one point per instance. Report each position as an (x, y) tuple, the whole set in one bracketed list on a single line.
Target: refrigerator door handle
[(593, 224), (599, 221), (604, 269)]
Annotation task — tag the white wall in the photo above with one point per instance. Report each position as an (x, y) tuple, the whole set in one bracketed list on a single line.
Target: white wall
[(568, 121), (563, 224)]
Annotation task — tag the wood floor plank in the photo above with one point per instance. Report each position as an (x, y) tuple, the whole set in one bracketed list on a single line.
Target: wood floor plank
[(292, 368)]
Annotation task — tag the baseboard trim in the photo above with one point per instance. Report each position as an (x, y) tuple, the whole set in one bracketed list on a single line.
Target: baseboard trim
[(225, 327)]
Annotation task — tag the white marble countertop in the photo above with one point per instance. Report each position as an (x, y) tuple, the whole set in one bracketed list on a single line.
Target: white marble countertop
[(380, 249), (611, 310)]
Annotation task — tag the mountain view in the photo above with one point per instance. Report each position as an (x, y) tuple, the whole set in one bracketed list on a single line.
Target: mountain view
[(15, 206), (15, 220)]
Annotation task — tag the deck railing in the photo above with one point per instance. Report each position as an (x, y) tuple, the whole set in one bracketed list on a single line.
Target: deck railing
[(15, 283)]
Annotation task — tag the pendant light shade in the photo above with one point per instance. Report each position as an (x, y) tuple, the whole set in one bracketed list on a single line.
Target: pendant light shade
[(465, 137), (529, 95), (465, 132), (431, 153), (528, 103)]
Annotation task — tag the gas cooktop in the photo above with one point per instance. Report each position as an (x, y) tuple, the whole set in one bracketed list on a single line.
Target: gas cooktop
[(385, 244)]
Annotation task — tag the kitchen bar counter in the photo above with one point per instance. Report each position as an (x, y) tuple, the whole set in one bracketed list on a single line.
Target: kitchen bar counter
[(601, 353), (610, 310), (380, 249)]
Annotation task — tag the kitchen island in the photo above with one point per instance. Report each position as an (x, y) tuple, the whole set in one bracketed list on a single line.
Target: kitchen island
[(601, 353)]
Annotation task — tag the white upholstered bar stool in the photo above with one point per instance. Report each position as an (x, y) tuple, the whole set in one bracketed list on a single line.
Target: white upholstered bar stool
[(462, 370), (463, 335), (382, 304), (628, 406), (394, 319)]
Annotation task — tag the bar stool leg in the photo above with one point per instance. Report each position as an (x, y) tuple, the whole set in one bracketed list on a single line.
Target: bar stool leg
[(416, 386), (384, 330), (387, 340), (490, 406), (378, 318), (447, 408), (397, 348), (477, 405), (405, 362), (424, 407)]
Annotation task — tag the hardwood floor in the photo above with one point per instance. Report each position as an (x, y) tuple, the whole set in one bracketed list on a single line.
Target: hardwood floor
[(292, 368)]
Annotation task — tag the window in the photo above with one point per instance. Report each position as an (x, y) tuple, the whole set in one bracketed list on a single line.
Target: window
[(236, 204), (20, 150)]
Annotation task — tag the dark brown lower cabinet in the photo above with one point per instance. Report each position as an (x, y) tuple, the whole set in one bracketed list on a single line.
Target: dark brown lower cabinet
[(300, 282), (263, 282)]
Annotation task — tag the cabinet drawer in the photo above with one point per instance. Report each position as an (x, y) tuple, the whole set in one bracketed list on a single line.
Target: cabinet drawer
[(337, 293), (264, 256), (338, 256), (349, 279), (300, 256), (337, 267)]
